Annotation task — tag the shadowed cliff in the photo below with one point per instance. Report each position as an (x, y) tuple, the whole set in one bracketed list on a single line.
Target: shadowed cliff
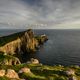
[(21, 42)]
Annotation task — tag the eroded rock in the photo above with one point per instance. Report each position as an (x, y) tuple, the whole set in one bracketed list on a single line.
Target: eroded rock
[(24, 43), (73, 78), (2, 73), (12, 74), (41, 39), (33, 61), (70, 72), (10, 61), (24, 70)]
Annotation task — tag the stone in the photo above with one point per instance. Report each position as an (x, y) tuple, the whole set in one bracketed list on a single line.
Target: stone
[(43, 38), (72, 78), (28, 62), (2, 73), (22, 79), (12, 74), (34, 61), (24, 70), (70, 72), (10, 61)]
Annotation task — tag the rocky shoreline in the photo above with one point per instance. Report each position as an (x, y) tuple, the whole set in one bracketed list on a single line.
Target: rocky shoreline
[(11, 67), (25, 42), (33, 70)]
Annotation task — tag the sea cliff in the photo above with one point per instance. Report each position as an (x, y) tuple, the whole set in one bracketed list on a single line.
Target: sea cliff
[(23, 42), (17, 44), (27, 42)]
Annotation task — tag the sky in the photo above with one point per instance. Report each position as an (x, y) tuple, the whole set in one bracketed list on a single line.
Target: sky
[(40, 14)]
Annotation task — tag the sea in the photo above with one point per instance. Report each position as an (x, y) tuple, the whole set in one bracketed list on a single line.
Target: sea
[(62, 47)]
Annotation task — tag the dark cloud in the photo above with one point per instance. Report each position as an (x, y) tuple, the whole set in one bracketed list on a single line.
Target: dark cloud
[(50, 12), (32, 2)]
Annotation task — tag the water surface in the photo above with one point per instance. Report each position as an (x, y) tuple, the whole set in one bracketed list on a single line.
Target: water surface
[(63, 47)]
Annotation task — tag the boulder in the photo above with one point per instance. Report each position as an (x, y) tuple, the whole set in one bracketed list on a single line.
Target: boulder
[(34, 61), (72, 78), (12, 74), (24, 70), (70, 72), (2, 73)]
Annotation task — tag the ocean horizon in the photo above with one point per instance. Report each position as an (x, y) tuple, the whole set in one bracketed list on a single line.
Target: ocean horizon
[(63, 46)]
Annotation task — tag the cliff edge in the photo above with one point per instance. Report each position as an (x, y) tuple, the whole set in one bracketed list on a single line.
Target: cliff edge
[(22, 42)]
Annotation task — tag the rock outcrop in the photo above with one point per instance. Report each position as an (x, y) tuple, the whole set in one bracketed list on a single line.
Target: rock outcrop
[(2, 72), (24, 70), (28, 42), (70, 72), (72, 78), (11, 47), (12, 74), (33, 61), (41, 39), (23, 44), (9, 60)]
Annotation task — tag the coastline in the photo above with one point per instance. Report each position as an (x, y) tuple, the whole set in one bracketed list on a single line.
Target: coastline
[(36, 70)]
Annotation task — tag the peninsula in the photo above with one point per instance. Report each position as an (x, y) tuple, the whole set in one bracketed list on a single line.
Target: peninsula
[(27, 42)]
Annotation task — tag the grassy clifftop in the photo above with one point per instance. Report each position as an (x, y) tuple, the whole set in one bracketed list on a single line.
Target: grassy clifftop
[(37, 71), (44, 72)]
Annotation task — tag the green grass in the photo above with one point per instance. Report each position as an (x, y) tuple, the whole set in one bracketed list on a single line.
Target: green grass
[(43, 72), (40, 72), (4, 78)]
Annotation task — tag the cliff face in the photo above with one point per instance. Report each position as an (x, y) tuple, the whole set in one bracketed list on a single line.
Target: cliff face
[(25, 43), (11, 47), (29, 42)]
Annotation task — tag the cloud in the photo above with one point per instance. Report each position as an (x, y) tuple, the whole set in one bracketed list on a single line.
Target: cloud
[(52, 13), (15, 12)]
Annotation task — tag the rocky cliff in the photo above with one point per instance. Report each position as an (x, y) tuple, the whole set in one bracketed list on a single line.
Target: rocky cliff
[(21, 43)]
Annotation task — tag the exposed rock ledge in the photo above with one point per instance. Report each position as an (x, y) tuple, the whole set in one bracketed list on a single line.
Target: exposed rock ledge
[(24, 42)]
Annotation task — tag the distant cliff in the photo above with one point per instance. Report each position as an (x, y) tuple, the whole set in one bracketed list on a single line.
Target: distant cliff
[(21, 42)]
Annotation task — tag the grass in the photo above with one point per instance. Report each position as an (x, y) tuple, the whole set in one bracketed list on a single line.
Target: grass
[(40, 72), (43, 72)]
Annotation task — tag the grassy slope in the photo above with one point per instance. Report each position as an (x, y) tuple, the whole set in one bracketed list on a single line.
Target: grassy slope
[(44, 72), (40, 72)]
